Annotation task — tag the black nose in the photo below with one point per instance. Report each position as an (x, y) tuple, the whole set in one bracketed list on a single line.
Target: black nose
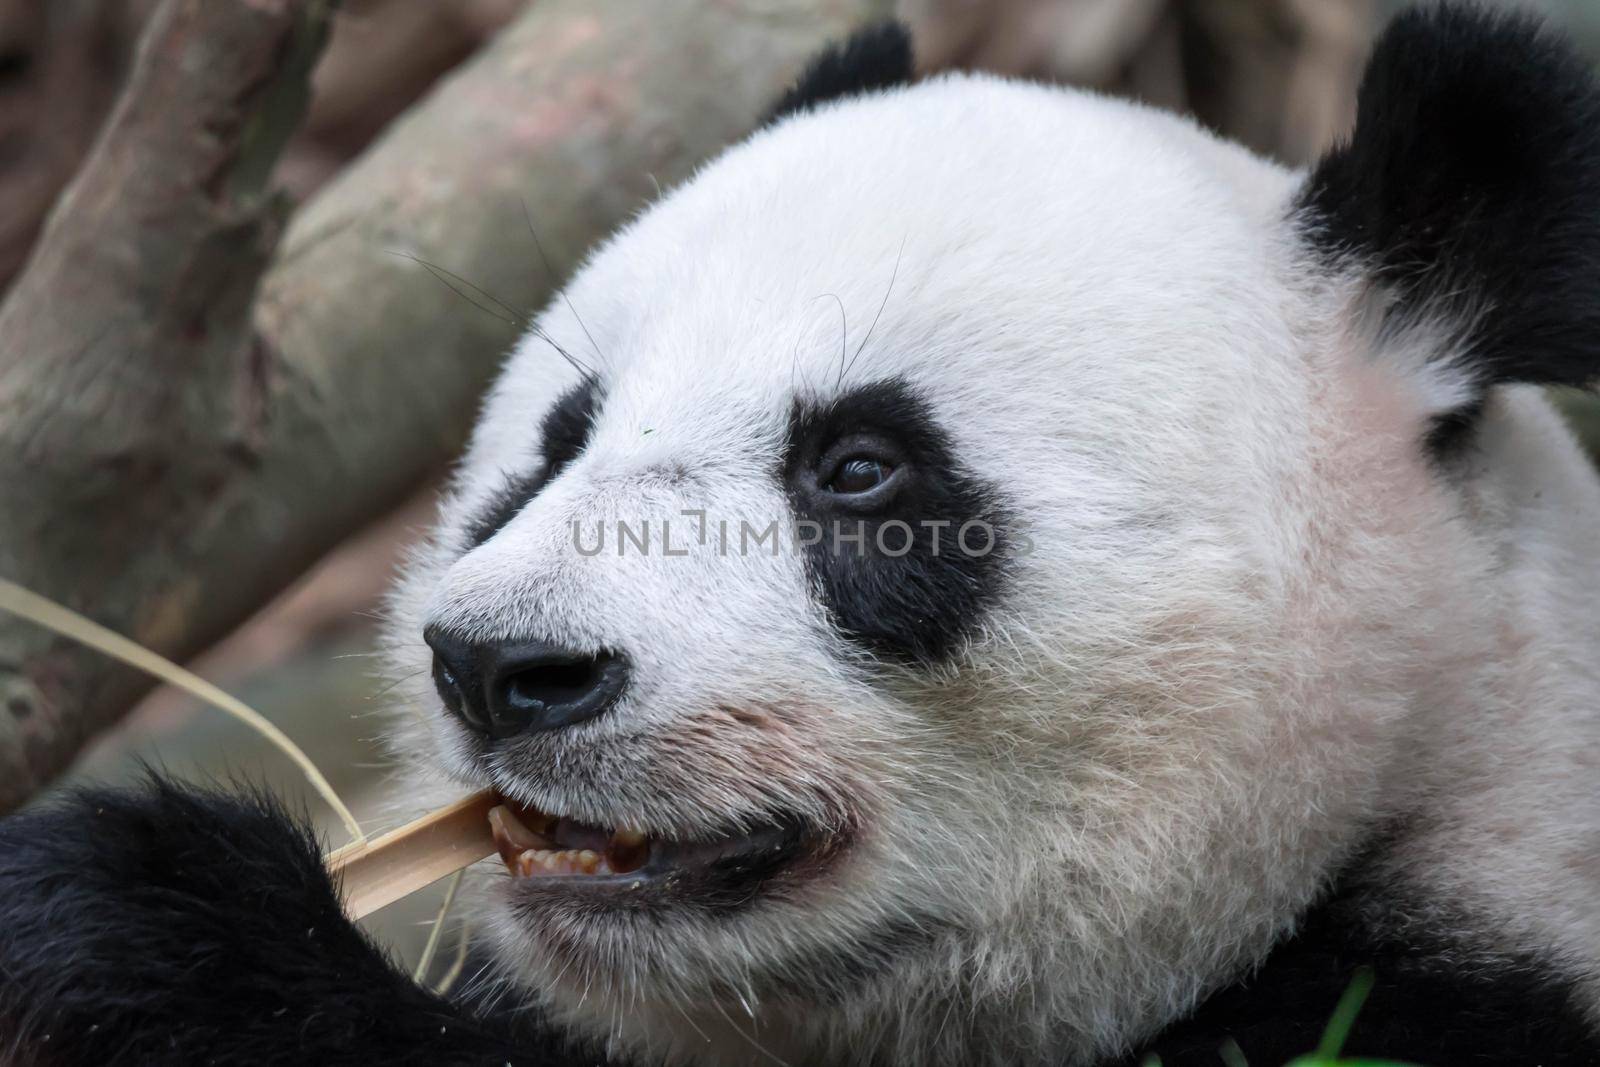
[(506, 688)]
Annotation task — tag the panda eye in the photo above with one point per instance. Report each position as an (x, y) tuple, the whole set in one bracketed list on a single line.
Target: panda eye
[(861, 470), (859, 474)]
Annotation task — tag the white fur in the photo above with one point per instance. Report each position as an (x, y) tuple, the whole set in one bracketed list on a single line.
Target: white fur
[(1255, 619)]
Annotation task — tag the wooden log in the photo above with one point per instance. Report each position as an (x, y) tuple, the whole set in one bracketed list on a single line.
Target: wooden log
[(130, 376)]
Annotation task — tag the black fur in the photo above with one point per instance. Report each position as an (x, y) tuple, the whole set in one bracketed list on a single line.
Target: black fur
[(920, 605), (1435, 1000), (875, 57), (172, 926), (563, 435), (1470, 190)]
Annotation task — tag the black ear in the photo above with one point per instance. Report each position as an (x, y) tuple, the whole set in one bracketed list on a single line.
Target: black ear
[(877, 56), (1469, 193)]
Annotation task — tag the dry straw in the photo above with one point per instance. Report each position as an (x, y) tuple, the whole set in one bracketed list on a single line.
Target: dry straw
[(52, 616), (404, 860)]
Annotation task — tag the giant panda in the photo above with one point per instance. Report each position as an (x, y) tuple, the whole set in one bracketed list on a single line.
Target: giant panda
[(982, 573)]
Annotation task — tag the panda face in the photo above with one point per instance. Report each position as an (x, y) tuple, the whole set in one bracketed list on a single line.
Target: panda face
[(1024, 430), (956, 566)]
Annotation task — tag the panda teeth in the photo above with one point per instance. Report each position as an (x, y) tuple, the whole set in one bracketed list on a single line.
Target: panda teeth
[(561, 861), (530, 843)]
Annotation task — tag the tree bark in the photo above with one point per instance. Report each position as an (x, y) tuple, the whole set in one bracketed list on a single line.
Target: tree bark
[(126, 365), (61, 64), (171, 458)]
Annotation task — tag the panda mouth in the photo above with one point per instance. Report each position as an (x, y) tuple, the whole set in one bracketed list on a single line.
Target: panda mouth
[(538, 847)]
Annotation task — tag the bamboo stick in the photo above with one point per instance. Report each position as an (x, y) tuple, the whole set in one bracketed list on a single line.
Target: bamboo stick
[(374, 873)]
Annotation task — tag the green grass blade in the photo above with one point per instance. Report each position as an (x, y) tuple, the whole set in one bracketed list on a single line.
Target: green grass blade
[(1344, 1016)]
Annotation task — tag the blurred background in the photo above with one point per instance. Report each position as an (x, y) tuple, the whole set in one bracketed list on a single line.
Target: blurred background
[(1278, 75)]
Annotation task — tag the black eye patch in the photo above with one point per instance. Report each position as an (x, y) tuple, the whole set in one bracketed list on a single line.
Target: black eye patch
[(563, 433), (909, 572)]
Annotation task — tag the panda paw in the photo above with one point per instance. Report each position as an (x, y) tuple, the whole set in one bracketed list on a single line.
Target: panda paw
[(172, 925)]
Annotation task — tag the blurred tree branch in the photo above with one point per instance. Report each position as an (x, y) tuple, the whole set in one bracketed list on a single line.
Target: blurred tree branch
[(1278, 75), (60, 64), (124, 348), (181, 436)]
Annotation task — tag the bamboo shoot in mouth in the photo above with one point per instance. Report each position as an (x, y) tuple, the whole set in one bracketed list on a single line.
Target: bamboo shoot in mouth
[(372, 874)]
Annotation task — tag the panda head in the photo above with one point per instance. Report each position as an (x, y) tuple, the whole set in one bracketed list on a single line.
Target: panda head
[(961, 564)]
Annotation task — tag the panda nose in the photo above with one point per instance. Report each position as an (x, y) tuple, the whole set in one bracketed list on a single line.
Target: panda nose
[(502, 689)]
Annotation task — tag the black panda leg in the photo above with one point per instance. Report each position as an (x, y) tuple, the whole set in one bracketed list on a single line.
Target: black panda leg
[(1434, 1000), (175, 926)]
